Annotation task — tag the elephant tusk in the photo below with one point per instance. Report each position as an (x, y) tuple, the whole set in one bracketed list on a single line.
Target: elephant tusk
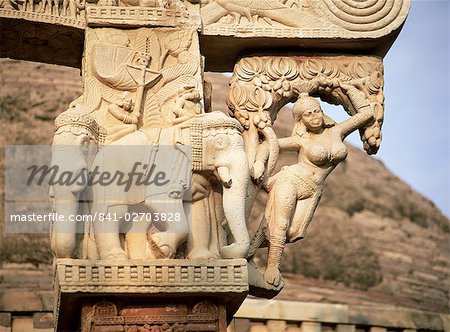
[(224, 176)]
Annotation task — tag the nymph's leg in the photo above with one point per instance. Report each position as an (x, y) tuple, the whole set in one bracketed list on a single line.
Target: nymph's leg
[(285, 200), (259, 237)]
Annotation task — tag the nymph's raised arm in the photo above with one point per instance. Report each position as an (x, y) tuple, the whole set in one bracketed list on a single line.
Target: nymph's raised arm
[(364, 112), (289, 144)]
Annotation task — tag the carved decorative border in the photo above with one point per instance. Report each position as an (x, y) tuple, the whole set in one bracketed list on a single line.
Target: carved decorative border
[(44, 18), (139, 16), (274, 32), (156, 276)]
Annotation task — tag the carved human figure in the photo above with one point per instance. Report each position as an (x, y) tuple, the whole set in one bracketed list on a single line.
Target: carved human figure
[(184, 106), (72, 8), (295, 191), (121, 119)]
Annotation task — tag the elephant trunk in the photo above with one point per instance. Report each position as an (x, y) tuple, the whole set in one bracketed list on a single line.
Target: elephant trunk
[(274, 150), (64, 232), (234, 198), (71, 162)]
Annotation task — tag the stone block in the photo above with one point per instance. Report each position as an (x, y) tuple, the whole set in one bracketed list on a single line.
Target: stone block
[(345, 328), (276, 326), (5, 319), (22, 324), (293, 311), (311, 327), (43, 320), (20, 300), (46, 300), (377, 329), (201, 294)]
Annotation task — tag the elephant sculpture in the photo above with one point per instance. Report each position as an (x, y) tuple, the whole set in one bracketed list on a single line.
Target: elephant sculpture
[(75, 144), (217, 152), (220, 186), (220, 183)]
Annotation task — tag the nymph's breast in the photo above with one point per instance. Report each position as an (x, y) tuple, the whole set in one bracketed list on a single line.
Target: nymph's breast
[(320, 155)]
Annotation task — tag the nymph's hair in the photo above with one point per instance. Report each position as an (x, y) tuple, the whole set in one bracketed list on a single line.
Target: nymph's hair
[(303, 103)]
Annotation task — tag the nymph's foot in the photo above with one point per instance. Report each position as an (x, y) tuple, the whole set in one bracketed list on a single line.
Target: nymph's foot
[(234, 251), (272, 276), (201, 254)]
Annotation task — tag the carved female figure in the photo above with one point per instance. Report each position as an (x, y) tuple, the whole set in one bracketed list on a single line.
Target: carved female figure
[(295, 191)]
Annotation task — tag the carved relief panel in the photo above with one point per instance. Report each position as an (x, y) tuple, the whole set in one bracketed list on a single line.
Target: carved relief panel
[(141, 77), (302, 18)]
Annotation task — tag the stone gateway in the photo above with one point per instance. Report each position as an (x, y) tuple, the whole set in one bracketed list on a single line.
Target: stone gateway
[(142, 65)]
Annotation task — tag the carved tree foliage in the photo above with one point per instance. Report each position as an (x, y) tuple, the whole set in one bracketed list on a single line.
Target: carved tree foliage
[(167, 57), (261, 86)]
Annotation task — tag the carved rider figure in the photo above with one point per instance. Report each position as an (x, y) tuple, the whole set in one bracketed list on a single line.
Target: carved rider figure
[(121, 119)]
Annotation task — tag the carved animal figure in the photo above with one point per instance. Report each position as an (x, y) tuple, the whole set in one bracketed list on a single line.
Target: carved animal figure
[(218, 151), (269, 10), (76, 140)]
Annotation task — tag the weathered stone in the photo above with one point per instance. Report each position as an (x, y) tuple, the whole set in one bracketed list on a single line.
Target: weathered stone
[(231, 28), (5, 319), (394, 317), (46, 300), (259, 328), (276, 325), (43, 320), (22, 324), (20, 300), (293, 311), (345, 328), (377, 329), (311, 327), (192, 315)]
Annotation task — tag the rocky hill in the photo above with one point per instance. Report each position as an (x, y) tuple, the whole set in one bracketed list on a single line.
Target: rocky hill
[(373, 239)]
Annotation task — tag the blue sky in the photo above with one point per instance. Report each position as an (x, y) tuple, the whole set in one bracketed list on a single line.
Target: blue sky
[(416, 139)]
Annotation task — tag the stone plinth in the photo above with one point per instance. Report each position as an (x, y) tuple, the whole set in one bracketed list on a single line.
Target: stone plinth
[(194, 295)]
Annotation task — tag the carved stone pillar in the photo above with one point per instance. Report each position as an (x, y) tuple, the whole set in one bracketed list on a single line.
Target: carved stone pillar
[(142, 86), (175, 295)]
